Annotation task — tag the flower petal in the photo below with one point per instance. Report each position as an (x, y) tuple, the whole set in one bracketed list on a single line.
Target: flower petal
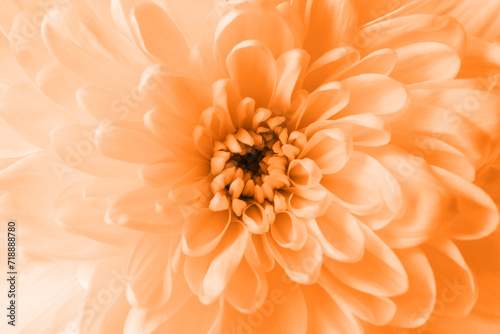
[(447, 126), (373, 94), (291, 67), (239, 25), (149, 269), (339, 234), (425, 61), (324, 28), (203, 230), (302, 266), (160, 37), (30, 114), (74, 214), (257, 80), (419, 189), (365, 129), (131, 142), (397, 32), (370, 308), (304, 173), (76, 145), (322, 104), (456, 287), (378, 62), (421, 294), (325, 315), (358, 186), (209, 275), (323, 69), (283, 310), (247, 289), (477, 214), (138, 210), (258, 254), (82, 44), (379, 272), (330, 149), (182, 96), (288, 231)]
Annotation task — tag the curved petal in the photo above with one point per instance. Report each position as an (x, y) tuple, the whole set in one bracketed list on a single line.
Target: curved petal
[(30, 114), (365, 129), (239, 25), (150, 283), (448, 126), (425, 61), (209, 275), (374, 309), (302, 266), (76, 145), (289, 231), (183, 97), (82, 44), (258, 254), (397, 32), (325, 315), (373, 94), (330, 149), (419, 189), (252, 66), (149, 320), (291, 68), (322, 104), (283, 310), (378, 62), (74, 214), (339, 234), (477, 104), (477, 214), (366, 188), (304, 173), (131, 142), (323, 69), (160, 37), (203, 230), (379, 272), (456, 287), (325, 29), (138, 210), (247, 289), (421, 294)]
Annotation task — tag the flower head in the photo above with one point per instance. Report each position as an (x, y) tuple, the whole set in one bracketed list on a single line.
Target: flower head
[(275, 167)]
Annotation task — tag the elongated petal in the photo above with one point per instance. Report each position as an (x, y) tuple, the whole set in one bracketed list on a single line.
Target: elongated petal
[(455, 285), (421, 294), (373, 94), (258, 80), (329, 149), (203, 231), (379, 272), (160, 37), (302, 266), (371, 308), (326, 315), (150, 283), (427, 61), (247, 289), (339, 234)]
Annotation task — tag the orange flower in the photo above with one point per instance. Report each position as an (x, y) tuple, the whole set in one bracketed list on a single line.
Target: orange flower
[(276, 167)]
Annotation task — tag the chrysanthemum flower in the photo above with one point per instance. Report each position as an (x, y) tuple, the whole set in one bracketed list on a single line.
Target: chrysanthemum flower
[(257, 166)]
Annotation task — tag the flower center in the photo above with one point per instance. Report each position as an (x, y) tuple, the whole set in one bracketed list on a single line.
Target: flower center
[(250, 167)]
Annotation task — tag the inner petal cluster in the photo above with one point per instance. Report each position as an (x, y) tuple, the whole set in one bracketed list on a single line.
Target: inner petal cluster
[(250, 169)]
